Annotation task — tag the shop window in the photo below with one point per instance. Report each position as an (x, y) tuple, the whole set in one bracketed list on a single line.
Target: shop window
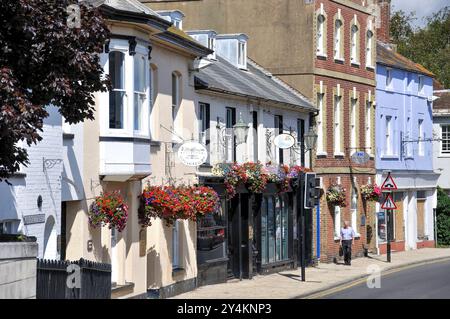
[(274, 229), (211, 236), (381, 226)]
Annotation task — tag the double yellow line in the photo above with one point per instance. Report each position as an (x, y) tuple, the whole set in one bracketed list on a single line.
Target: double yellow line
[(362, 280)]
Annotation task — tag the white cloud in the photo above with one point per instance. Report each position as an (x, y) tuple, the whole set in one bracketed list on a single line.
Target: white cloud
[(422, 8)]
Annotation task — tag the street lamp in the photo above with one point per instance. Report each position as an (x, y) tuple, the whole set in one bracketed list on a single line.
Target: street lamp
[(310, 139), (240, 131)]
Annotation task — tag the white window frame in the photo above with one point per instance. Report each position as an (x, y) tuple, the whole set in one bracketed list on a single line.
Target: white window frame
[(153, 79), (368, 134), (337, 222), (421, 85), (408, 146), (175, 106), (242, 55), (389, 147), (389, 79), (321, 35), (338, 39), (353, 124), (421, 138), (176, 245), (125, 101), (337, 125), (369, 49), (144, 95), (441, 148), (354, 44), (320, 139)]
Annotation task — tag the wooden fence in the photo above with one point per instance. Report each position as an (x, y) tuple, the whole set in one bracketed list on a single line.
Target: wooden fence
[(56, 279)]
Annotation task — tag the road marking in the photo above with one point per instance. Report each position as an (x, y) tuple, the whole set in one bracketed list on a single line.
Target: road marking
[(362, 280)]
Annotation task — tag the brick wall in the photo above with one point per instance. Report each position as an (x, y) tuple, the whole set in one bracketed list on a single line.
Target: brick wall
[(330, 167), (384, 20)]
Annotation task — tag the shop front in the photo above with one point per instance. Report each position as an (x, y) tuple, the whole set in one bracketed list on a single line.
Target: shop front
[(252, 233)]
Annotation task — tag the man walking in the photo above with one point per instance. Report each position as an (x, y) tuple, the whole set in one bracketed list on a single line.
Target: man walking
[(347, 235)]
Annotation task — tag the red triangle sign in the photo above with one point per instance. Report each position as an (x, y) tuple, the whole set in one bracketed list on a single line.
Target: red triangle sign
[(388, 184), (389, 203)]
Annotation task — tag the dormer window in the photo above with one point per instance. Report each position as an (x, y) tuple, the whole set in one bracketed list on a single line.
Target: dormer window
[(207, 38), (178, 23), (174, 16), (233, 48)]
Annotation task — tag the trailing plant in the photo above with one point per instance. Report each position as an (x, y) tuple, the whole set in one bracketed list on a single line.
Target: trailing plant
[(108, 209), (370, 192), (336, 195)]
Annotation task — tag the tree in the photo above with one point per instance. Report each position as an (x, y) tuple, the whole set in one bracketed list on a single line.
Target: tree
[(429, 46), (443, 217), (45, 61)]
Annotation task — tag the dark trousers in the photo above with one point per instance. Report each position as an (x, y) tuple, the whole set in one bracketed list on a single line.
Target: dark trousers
[(347, 248)]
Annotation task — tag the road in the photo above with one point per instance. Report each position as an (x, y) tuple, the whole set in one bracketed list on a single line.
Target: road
[(429, 281)]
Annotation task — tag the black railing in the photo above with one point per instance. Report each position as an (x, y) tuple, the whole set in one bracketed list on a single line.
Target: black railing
[(57, 279)]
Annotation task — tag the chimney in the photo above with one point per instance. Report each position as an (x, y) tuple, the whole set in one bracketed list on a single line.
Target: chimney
[(383, 23), (233, 48)]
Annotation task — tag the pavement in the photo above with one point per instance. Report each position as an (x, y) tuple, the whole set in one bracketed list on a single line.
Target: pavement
[(319, 279), (429, 281)]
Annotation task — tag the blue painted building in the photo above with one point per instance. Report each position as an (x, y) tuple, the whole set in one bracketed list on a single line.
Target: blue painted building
[(404, 133)]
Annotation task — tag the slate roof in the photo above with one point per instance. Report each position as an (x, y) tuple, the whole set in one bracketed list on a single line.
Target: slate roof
[(394, 59), (442, 104), (255, 82), (130, 6)]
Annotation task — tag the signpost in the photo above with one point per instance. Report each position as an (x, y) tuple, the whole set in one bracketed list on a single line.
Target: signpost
[(389, 205)]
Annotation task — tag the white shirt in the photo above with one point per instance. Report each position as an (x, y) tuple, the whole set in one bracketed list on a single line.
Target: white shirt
[(347, 233)]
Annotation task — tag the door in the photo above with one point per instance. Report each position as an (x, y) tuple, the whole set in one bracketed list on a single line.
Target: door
[(399, 225), (420, 219), (233, 237)]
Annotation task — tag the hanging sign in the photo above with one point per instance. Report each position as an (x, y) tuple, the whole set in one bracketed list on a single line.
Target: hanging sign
[(360, 157), (192, 154), (284, 141), (389, 203), (388, 184)]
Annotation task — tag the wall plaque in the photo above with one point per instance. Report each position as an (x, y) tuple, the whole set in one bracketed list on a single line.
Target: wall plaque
[(34, 219)]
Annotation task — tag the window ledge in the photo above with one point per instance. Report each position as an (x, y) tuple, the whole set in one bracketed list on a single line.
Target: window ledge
[(370, 67), (358, 235), (339, 60), (389, 157), (321, 55), (444, 156), (337, 238), (339, 154), (355, 64), (177, 271), (324, 154)]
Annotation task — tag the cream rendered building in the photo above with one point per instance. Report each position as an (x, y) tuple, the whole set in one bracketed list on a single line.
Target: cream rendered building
[(130, 143)]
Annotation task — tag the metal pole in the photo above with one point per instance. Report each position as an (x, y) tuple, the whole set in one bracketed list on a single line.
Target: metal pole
[(389, 226), (302, 228)]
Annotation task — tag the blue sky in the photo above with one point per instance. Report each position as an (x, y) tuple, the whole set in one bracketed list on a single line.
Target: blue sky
[(422, 8)]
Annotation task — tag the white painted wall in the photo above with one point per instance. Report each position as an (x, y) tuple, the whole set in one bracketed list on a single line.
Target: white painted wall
[(441, 162), (266, 113), (20, 199)]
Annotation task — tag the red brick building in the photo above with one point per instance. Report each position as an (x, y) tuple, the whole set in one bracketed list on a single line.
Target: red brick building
[(326, 50)]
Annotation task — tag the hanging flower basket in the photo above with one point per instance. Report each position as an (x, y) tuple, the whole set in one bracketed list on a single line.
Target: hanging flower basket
[(108, 209), (171, 203), (370, 192), (256, 177), (336, 195)]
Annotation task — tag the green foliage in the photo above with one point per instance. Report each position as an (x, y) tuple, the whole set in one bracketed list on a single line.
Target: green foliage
[(428, 46), (44, 61), (443, 217)]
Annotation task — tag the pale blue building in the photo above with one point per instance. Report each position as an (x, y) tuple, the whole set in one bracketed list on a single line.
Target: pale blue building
[(404, 134)]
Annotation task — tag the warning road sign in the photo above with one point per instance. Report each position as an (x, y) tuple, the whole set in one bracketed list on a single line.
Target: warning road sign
[(389, 203), (388, 184)]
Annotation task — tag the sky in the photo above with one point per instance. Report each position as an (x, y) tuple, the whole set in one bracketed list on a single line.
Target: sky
[(422, 8)]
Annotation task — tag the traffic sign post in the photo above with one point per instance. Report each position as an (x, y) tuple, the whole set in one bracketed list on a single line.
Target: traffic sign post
[(389, 205)]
